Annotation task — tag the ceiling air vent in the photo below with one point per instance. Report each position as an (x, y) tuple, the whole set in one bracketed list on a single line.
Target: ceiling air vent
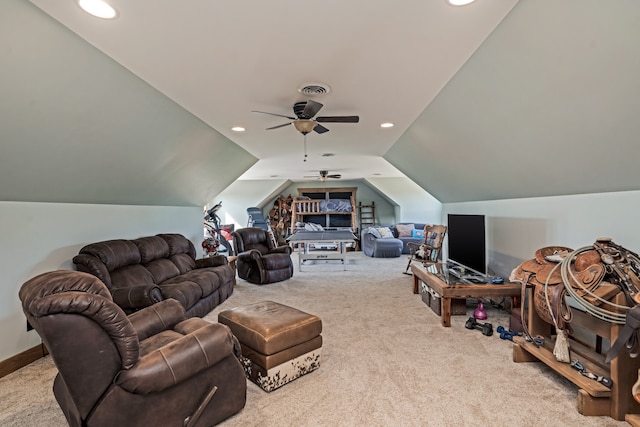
[(314, 89)]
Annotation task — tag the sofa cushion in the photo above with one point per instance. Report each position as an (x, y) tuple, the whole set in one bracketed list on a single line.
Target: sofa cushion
[(162, 269), (186, 292), (178, 244), (404, 230), (385, 232), (131, 275), (152, 248), (205, 278), (114, 253), (184, 262), (415, 233)]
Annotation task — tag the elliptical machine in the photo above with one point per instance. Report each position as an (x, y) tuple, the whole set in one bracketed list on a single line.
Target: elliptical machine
[(212, 225)]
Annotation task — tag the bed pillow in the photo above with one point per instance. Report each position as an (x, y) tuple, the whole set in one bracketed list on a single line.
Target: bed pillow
[(385, 232), (404, 230), (310, 226)]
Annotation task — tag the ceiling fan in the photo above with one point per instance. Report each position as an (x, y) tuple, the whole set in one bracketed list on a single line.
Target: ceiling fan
[(324, 175), (304, 120)]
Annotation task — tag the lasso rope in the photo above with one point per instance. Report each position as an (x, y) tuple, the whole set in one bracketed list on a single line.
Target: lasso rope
[(598, 312)]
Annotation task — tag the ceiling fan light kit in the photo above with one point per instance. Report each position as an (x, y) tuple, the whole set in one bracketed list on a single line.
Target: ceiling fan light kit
[(304, 120), (324, 175), (304, 126)]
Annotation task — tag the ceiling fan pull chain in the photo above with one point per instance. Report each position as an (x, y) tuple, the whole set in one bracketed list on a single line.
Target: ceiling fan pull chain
[(305, 148)]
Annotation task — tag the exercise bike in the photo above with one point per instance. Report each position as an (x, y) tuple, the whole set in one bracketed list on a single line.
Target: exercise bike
[(216, 234)]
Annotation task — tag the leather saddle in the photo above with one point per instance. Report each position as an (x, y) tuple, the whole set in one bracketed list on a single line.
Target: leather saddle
[(544, 274)]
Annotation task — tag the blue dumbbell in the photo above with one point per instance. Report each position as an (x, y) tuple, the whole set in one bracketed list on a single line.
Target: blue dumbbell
[(506, 334)]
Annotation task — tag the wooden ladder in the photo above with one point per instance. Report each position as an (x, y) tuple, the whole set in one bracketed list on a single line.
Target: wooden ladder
[(366, 215)]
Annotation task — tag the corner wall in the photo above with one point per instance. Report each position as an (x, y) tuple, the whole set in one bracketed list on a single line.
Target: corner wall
[(40, 237)]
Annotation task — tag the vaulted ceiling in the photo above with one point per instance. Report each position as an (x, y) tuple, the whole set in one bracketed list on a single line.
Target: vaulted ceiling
[(498, 99)]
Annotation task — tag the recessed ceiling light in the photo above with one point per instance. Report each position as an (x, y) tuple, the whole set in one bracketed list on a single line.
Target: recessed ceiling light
[(98, 8), (460, 2), (238, 129), (386, 125)]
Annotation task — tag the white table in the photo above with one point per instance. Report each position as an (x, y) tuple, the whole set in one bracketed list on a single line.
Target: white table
[(308, 238)]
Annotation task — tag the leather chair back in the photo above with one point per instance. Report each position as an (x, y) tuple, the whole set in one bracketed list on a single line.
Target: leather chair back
[(249, 238), (74, 315)]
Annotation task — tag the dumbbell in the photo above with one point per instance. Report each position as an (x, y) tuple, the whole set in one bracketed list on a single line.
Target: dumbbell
[(486, 328), (506, 334)]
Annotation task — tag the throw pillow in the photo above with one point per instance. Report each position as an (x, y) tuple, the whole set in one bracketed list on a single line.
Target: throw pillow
[(404, 230), (417, 233), (374, 231), (384, 232)]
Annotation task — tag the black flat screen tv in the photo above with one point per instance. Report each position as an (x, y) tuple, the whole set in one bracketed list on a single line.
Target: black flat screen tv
[(466, 241)]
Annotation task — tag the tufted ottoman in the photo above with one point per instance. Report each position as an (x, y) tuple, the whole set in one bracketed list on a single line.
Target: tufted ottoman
[(279, 343)]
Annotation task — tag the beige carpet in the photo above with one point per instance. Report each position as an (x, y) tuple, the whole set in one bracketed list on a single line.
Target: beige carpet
[(386, 361)]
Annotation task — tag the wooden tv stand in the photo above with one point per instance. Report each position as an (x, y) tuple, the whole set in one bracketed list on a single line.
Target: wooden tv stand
[(450, 288), (593, 397)]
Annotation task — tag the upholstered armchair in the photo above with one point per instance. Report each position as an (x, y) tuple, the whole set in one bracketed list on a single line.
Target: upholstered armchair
[(154, 367), (259, 260)]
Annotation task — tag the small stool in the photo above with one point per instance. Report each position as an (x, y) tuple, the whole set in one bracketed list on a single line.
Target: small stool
[(279, 343)]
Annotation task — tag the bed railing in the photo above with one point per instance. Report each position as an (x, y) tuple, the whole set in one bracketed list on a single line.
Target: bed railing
[(306, 206)]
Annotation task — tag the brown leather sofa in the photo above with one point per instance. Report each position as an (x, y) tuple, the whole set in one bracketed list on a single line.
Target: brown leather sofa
[(150, 269), (155, 367), (259, 260)]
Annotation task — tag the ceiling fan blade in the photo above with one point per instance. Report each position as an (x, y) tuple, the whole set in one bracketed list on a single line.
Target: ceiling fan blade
[(279, 126), (274, 114), (311, 109), (335, 176), (338, 119), (320, 129)]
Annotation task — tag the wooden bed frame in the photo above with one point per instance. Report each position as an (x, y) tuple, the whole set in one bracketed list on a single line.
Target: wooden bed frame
[(302, 207)]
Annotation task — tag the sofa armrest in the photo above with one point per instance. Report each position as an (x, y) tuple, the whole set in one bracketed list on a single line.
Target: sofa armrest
[(250, 255), (178, 360), (135, 297), (212, 261), (284, 249), (157, 317)]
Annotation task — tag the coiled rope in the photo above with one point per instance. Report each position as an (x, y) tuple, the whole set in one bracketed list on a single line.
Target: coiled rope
[(568, 278)]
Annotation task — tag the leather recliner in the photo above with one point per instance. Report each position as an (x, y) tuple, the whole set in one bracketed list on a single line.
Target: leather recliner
[(259, 260), (155, 367)]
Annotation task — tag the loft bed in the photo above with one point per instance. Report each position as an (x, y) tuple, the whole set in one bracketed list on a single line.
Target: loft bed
[(302, 207)]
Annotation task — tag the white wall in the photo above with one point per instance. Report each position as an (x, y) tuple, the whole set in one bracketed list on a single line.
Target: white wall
[(396, 199), (516, 228), (40, 237), (414, 204)]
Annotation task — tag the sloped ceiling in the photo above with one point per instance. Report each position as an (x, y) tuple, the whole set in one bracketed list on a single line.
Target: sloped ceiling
[(500, 100), (546, 106), (75, 126)]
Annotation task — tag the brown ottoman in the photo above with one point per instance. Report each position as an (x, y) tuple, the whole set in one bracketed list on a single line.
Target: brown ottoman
[(279, 343)]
